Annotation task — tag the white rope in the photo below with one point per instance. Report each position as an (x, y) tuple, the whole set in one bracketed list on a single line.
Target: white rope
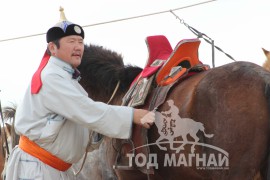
[(117, 20), (150, 14)]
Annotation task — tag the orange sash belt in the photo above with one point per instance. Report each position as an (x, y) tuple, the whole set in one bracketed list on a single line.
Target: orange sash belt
[(33, 149)]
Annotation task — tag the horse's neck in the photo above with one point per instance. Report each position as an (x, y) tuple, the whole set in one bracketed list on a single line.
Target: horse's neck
[(7, 130), (11, 136), (8, 139)]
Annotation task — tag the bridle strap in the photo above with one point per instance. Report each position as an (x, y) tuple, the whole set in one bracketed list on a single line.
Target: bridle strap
[(114, 92)]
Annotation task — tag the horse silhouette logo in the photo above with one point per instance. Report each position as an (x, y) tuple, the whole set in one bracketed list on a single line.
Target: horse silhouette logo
[(170, 125)]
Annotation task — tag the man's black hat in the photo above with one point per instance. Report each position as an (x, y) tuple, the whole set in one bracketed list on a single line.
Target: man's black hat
[(63, 28)]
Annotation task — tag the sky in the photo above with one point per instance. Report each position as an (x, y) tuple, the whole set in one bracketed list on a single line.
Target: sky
[(239, 27)]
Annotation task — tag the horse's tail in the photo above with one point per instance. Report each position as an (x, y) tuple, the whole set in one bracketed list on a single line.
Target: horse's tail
[(202, 129)]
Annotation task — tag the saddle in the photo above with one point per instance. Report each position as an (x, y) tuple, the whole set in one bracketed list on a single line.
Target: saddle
[(164, 68), (159, 50)]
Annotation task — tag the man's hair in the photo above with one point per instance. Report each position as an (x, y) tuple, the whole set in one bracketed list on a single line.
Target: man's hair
[(57, 43)]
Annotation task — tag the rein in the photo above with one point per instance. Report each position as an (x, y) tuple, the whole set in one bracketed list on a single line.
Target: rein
[(114, 92), (89, 144)]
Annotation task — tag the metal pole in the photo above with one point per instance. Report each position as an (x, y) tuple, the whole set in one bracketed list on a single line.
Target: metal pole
[(213, 53)]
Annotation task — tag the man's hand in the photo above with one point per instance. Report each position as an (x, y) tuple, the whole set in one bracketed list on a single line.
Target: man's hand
[(144, 118)]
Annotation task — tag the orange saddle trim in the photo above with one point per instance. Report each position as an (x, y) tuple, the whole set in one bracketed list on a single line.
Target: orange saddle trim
[(186, 51), (35, 150), (170, 79)]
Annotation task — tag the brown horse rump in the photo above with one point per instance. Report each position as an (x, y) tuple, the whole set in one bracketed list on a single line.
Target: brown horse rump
[(223, 100)]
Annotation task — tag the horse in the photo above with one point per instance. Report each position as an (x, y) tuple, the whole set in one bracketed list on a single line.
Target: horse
[(231, 101), (5, 135), (9, 139)]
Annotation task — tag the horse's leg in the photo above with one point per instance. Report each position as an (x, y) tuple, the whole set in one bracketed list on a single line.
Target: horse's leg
[(184, 137), (194, 136)]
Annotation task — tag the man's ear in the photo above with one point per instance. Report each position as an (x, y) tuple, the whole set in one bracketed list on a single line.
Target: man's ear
[(52, 47)]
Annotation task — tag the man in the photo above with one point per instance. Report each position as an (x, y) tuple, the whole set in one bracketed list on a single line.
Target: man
[(56, 113)]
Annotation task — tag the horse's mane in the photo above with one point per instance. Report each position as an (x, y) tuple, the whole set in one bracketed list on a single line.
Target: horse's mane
[(9, 118), (101, 69), (9, 112)]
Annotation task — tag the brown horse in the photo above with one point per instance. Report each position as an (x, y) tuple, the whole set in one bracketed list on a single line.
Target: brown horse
[(8, 136), (231, 102), (3, 150)]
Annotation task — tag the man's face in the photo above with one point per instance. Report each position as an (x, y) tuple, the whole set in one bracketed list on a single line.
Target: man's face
[(71, 50)]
